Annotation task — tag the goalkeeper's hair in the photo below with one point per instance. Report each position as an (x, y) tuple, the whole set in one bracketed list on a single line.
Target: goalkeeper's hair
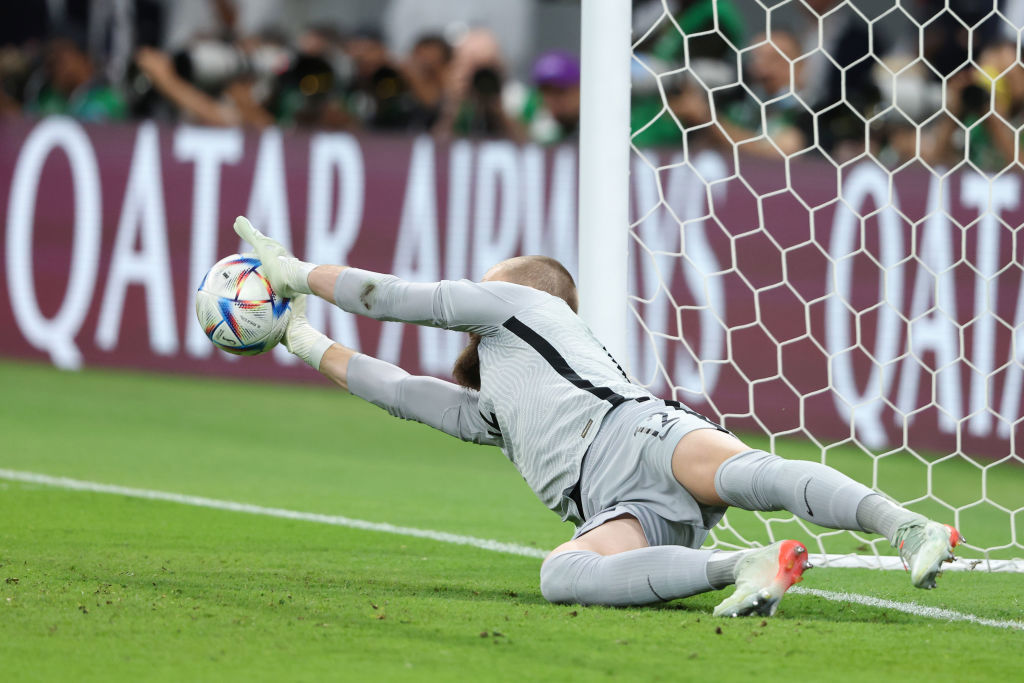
[(539, 272)]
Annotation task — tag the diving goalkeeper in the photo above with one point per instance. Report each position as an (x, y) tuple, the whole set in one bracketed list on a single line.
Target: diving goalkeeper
[(643, 479)]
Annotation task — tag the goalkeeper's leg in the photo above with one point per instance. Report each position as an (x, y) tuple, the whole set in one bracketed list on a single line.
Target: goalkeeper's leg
[(717, 468), (613, 565)]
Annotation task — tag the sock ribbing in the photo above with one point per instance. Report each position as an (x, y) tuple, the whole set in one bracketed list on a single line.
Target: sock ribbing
[(881, 516), (722, 568)]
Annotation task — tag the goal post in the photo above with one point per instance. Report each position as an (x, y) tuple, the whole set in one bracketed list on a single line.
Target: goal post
[(605, 54), (834, 272)]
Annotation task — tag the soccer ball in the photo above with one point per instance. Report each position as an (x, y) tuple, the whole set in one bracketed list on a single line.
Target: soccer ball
[(238, 308)]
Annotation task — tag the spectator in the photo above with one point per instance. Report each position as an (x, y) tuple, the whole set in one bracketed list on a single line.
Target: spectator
[(474, 100), (769, 69), (955, 31), (696, 40), (1004, 73), (551, 112), (512, 24), (15, 69), (838, 52), (426, 71), (977, 126), (685, 109), (894, 139), (71, 84), (310, 94), (709, 37), (379, 95), (216, 66), (306, 96)]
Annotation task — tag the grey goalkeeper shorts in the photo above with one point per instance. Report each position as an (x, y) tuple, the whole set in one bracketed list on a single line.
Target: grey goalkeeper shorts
[(628, 470)]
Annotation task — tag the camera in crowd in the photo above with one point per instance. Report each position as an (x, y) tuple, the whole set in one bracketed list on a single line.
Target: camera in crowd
[(211, 65), (486, 83)]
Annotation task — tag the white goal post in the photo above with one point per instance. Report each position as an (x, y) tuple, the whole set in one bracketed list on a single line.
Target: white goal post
[(605, 53), (832, 270)]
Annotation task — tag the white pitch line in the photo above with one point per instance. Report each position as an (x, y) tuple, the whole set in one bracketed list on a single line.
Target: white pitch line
[(335, 520), (908, 607), (444, 537), (893, 563)]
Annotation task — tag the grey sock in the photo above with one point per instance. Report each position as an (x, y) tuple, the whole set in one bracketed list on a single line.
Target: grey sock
[(722, 568), (635, 577), (755, 480), (880, 516)]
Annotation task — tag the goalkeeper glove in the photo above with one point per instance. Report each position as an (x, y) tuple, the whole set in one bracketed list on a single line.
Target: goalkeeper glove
[(302, 339), (287, 274)]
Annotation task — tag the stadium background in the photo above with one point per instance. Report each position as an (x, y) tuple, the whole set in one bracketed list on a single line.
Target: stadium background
[(349, 175), (133, 131)]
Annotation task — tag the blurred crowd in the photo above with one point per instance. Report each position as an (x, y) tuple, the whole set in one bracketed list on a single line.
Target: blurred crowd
[(324, 76), (940, 81), (828, 78)]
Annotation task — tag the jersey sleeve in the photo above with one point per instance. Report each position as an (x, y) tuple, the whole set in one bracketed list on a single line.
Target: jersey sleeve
[(463, 305), (442, 405)]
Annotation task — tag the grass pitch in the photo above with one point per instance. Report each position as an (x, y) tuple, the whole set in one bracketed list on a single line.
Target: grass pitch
[(103, 587)]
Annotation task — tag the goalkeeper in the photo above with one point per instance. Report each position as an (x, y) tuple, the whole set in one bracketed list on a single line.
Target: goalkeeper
[(643, 479)]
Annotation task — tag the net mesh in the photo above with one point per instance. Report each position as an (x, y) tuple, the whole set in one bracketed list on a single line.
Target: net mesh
[(825, 200)]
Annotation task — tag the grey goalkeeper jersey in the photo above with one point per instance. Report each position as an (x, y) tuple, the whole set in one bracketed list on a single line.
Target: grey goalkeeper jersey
[(545, 381)]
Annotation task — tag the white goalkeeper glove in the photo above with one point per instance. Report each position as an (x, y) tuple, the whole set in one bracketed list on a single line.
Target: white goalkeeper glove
[(287, 274), (302, 339)]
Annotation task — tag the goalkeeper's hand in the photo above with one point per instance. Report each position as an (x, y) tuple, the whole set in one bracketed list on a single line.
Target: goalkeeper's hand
[(302, 339), (287, 274)]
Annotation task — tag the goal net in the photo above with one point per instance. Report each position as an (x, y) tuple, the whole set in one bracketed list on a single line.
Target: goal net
[(825, 203)]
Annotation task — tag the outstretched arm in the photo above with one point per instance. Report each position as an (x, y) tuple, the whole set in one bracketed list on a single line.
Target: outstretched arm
[(477, 307), (462, 305), (434, 402), (442, 405), (322, 280), (334, 364)]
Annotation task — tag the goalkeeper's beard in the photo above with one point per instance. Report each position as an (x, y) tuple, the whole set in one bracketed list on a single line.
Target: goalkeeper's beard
[(467, 366)]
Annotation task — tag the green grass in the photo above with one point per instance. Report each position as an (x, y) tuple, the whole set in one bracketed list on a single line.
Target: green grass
[(102, 587)]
